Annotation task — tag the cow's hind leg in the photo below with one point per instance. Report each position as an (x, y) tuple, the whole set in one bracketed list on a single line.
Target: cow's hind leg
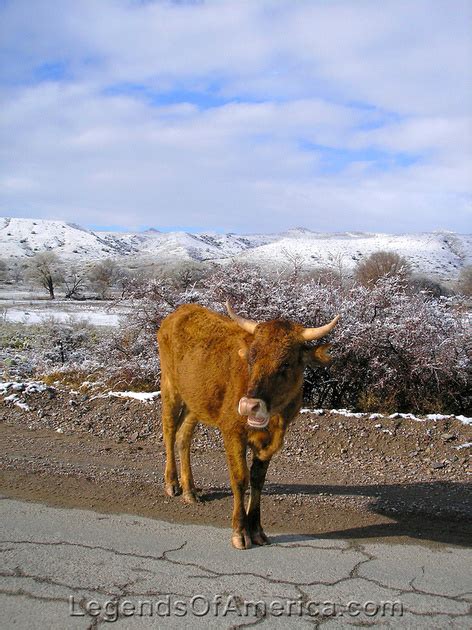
[(172, 414), (184, 439), (235, 447), (257, 478)]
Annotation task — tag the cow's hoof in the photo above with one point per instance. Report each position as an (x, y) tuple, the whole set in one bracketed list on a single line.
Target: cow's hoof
[(172, 489), (241, 540), (259, 538), (190, 496)]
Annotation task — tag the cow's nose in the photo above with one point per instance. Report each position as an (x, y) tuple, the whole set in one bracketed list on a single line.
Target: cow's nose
[(253, 406), (256, 411)]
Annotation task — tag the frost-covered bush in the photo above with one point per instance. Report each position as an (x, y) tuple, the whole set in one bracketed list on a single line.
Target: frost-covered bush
[(50, 346), (130, 353), (392, 350), (401, 352), (61, 343)]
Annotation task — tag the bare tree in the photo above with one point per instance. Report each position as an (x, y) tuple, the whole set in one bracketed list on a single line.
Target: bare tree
[(187, 275), (74, 280), (17, 271), (3, 270), (379, 265), (102, 275), (295, 260), (337, 264), (326, 276), (45, 270)]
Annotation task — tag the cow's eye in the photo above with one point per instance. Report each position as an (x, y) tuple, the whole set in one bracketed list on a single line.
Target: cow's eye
[(284, 368)]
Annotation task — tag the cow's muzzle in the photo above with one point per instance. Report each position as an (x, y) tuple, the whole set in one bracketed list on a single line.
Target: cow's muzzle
[(256, 411)]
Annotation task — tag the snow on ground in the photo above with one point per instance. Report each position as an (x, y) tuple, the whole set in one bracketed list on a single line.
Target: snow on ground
[(18, 388), (142, 396), (37, 311), (97, 318), (377, 416), (30, 387), (14, 388), (464, 420)]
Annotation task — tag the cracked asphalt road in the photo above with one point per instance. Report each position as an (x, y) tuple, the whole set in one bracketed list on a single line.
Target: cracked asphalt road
[(60, 567)]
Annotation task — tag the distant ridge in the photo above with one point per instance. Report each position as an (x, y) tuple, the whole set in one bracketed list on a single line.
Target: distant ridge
[(440, 254)]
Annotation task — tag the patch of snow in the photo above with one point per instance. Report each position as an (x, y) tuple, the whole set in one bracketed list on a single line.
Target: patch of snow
[(376, 416), (13, 385), (30, 387), (36, 316), (142, 396), (407, 416), (36, 387), (438, 416), (13, 398), (348, 414)]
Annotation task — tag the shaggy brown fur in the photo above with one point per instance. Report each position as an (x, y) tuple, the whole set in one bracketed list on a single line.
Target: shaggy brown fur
[(208, 363)]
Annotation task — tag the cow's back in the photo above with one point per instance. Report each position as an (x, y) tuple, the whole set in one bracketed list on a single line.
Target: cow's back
[(199, 360)]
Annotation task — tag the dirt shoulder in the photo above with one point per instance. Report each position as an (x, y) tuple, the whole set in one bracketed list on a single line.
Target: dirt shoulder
[(336, 477)]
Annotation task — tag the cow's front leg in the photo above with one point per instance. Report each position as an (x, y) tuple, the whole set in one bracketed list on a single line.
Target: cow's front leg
[(258, 475), (235, 447)]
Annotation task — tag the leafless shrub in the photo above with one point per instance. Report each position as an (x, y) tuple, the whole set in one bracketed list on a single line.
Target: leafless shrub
[(60, 343), (427, 286), (380, 265), (327, 276), (102, 275), (3, 270), (464, 284), (130, 352), (17, 271), (52, 345), (74, 282)]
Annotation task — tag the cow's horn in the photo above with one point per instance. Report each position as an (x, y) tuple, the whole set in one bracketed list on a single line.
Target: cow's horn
[(247, 324), (310, 334)]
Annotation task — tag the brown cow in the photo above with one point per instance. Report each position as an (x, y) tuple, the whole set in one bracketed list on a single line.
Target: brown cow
[(244, 378)]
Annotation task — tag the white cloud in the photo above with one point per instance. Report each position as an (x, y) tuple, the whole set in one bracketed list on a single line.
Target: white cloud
[(375, 83)]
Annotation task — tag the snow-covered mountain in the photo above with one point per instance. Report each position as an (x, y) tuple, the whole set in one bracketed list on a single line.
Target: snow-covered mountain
[(26, 237), (439, 254)]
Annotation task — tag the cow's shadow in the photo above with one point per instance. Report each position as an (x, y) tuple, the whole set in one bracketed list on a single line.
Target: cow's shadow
[(437, 511)]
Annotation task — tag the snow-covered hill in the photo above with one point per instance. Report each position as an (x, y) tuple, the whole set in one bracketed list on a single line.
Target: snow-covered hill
[(26, 237), (438, 254)]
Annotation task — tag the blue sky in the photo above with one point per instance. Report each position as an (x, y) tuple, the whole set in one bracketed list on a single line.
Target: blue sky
[(238, 115)]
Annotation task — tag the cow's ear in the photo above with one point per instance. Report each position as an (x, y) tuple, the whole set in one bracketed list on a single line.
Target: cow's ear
[(319, 355), (243, 352)]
